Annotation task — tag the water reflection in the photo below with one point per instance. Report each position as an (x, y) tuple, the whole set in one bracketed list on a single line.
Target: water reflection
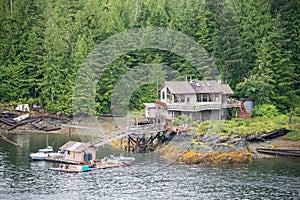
[(151, 177)]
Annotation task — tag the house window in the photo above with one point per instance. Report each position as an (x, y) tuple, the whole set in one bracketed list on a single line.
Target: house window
[(207, 98), (68, 152), (188, 99), (176, 99), (204, 98), (182, 99), (210, 97), (163, 95), (198, 97)]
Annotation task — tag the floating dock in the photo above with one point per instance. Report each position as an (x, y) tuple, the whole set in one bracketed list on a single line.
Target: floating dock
[(86, 168), (72, 168), (61, 160)]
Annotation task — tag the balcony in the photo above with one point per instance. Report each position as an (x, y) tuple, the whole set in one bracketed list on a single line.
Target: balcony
[(195, 107), (201, 106), (231, 105)]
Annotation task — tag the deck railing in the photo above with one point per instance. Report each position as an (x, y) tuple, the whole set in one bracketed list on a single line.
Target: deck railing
[(201, 106)]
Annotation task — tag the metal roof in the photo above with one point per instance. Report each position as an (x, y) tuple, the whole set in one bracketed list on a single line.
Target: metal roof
[(197, 87), (75, 146), (179, 87)]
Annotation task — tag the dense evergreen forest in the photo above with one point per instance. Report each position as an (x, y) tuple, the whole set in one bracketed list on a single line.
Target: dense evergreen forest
[(43, 43)]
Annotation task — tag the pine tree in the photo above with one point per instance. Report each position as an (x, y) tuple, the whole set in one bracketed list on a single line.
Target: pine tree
[(274, 56), (229, 48), (255, 21)]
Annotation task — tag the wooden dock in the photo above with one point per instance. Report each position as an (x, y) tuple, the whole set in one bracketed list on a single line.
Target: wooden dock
[(138, 138), (71, 169), (280, 152), (141, 139), (61, 160), (77, 168)]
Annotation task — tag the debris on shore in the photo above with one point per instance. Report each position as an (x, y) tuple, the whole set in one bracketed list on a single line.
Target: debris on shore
[(10, 121)]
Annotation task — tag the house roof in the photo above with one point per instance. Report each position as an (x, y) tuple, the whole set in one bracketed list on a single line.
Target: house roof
[(197, 87), (75, 146), (179, 87), (227, 89)]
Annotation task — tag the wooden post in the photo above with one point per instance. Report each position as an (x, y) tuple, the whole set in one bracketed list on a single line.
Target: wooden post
[(132, 141), (137, 145), (69, 133), (290, 118), (128, 144), (92, 136)]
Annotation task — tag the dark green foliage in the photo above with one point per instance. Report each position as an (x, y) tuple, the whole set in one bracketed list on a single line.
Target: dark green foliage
[(265, 110), (43, 44), (230, 47)]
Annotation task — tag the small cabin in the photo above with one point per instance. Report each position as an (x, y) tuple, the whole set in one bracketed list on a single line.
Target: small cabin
[(150, 111), (78, 151)]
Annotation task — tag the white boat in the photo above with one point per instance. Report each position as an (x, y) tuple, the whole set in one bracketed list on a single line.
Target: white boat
[(43, 153), (121, 160), (126, 159)]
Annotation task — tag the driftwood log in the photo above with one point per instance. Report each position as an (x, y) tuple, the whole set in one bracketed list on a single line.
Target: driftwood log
[(2, 137)]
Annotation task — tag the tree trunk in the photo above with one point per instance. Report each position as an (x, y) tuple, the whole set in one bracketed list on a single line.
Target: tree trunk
[(137, 4), (10, 3), (290, 118)]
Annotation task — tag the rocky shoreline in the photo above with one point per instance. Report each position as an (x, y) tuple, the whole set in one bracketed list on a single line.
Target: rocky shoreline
[(209, 148), (218, 149)]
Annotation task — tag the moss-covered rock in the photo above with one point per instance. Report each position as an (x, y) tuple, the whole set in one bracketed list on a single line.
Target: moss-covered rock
[(221, 157)]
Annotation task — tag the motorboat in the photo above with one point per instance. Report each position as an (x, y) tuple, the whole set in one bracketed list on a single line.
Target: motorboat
[(126, 159), (121, 160), (43, 153)]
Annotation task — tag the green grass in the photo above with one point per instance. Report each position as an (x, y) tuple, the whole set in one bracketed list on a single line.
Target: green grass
[(293, 135), (244, 127)]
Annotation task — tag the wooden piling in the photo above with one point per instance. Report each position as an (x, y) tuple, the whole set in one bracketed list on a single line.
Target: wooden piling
[(128, 143)]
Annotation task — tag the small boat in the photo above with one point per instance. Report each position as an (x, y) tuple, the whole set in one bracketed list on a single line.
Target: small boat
[(126, 159), (44, 153), (121, 160)]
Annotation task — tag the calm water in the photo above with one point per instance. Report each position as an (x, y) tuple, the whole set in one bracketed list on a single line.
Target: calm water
[(150, 177)]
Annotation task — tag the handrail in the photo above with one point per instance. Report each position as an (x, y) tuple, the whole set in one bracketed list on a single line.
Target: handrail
[(129, 131)]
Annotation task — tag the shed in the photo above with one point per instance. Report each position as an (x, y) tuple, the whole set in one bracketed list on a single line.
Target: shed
[(79, 151), (150, 110)]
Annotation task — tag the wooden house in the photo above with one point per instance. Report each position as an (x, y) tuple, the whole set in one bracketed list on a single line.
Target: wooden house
[(78, 151), (201, 100)]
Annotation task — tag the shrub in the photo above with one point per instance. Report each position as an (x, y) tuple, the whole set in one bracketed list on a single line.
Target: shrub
[(182, 119), (265, 110)]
